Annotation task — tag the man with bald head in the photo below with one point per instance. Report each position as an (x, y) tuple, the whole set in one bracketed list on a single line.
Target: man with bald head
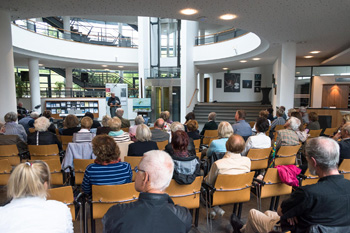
[(154, 211), (158, 134)]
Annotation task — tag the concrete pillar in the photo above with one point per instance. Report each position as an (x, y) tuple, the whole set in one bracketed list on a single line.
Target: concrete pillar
[(69, 78), (66, 27), (34, 83), (7, 77)]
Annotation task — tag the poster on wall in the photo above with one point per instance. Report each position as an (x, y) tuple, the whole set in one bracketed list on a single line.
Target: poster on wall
[(232, 82), (247, 83), (218, 83)]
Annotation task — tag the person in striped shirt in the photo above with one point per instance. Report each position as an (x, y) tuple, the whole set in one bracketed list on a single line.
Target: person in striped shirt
[(107, 169), (117, 134)]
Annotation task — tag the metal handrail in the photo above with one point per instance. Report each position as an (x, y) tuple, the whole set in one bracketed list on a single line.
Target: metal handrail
[(219, 36), (192, 97)]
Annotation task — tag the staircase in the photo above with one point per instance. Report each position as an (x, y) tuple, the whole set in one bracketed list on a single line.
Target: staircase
[(226, 111)]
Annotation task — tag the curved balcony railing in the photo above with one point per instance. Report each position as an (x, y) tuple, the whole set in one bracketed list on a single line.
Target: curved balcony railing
[(219, 36), (113, 38)]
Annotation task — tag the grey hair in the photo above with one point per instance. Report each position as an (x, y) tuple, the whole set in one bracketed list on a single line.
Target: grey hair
[(325, 151), (160, 167), (41, 124), (34, 115), (10, 116), (280, 112), (294, 123), (119, 112), (175, 126), (143, 133), (212, 116), (225, 129), (139, 120), (105, 120)]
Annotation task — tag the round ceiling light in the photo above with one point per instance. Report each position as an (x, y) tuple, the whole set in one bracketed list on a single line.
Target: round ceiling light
[(188, 11), (315, 52), (256, 59), (228, 17), (225, 68), (243, 61), (308, 56)]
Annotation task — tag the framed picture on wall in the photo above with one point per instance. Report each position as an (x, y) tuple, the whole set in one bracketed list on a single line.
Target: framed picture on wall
[(256, 89), (257, 77), (218, 83), (257, 83), (232, 82), (247, 83)]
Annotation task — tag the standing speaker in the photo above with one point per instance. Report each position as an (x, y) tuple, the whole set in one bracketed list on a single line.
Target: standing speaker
[(84, 77)]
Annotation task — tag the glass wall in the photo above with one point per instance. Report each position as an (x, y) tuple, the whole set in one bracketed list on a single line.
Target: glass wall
[(168, 37)]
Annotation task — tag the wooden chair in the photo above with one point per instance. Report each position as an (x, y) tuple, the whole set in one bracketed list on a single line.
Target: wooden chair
[(259, 158), (79, 169), (329, 131), (211, 140), (161, 145), (10, 152), (44, 152), (133, 161), (286, 155), (271, 186), (268, 131), (126, 129), (251, 124), (197, 144), (55, 171), (278, 127), (124, 148), (105, 196), (344, 168), (232, 189), (208, 134), (315, 133), (5, 171), (65, 139), (308, 179), (186, 195), (199, 154), (31, 130)]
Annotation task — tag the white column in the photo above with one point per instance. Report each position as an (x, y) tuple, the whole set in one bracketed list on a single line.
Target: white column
[(144, 51), (7, 77), (66, 27), (34, 83), (69, 78), (189, 31)]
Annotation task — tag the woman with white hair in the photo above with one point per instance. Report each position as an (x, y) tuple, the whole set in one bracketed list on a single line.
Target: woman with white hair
[(288, 136), (42, 136), (29, 211), (132, 129), (143, 143), (219, 145)]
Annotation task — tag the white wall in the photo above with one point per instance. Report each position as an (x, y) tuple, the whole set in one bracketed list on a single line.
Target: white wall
[(168, 61)]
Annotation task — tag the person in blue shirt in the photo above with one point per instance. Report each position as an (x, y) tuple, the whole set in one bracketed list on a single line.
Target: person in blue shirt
[(241, 127), (219, 145)]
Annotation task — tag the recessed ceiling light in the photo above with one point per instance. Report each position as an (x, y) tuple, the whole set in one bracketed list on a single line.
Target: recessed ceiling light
[(315, 52), (243, 61), (308, 56), (225, 68), (297, 72), (228, 17), (121, 66), (256, 59), (188, 11), (104, 66), (41, 64)]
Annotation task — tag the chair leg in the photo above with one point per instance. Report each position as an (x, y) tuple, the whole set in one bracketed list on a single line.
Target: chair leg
[(276, 202), (240, 206), (234, 209), (272, 203), (93, 227), (196, 218)]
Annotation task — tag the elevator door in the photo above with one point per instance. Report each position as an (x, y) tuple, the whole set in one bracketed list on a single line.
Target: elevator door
[(166, 99)]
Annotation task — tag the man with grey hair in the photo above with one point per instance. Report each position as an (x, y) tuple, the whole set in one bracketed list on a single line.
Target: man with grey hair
[(154, 211), (304, 115), (12, 128), (288, 136), (278, 121), (12, 140), (125, 122), (323, 206), (175, 126), (211, 124), (28, 121)]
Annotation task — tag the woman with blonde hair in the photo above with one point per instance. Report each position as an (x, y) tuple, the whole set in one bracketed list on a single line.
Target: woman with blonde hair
[(219, 145), (116, 132), (29, 211)]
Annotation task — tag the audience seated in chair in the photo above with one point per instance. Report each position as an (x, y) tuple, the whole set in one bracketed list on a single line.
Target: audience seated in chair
[(264, 114), (278, 121), (211, 124), (189, 116), (158, 133), (192, 130), (154, 211), (320, 203), (231, 164), (117, 134), (12, 128), (132, 129), (224, 131), (12, 140), (301, 132), (175, 126), (260, 140), (313, 122), (107, 169), (241, 127), (28, 121), (95, 123), (84, 134), (288, 136), (52, 127), (125, 122), (104, 129), (344, 144), (143, 143), (165, 115), (41, 136), (29, 211), (70, 125)]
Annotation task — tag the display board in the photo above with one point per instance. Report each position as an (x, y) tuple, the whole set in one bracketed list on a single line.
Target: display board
[(121, 91), (66, 106), (142, 105)]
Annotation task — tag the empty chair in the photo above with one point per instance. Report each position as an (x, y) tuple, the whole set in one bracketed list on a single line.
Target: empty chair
[(259, 158), (55, 171), (79, 169), (329, 131), (286, 155), (133, 161), (44, 152), (344, 168), (5, 171), (10, 152), (315, 133)]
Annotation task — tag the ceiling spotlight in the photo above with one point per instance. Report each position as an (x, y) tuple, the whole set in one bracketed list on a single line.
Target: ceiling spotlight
[(121, 66), (297, 72), (256, 59), (243, 61), (188, 11), (308, 56), (315, 52), (225, 68), (228, 17), (104, 66), (41, 64)]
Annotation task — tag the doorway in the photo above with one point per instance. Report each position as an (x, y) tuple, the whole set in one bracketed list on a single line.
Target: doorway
[(206, 89), (165, 99)]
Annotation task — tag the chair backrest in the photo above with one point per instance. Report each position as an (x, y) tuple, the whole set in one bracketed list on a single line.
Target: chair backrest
[(208, 134), (5, 171), (279, 127), (126, 129), (273, 185), (134, 161), (344, 168), (65, 195), (310, 179), (329, 131), (259, 158), (79, 169), (314, 133), (161, 145), (31, 130), (197, 144), (105, 196), (186, 195), (55, 170), (199, 154), (10, 152), (124, 148), (44, 152), (268, 131), (251, 124), (65, 139), (287, 155)]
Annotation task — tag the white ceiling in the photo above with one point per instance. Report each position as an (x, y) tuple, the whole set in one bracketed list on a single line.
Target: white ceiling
[(314, 24)]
